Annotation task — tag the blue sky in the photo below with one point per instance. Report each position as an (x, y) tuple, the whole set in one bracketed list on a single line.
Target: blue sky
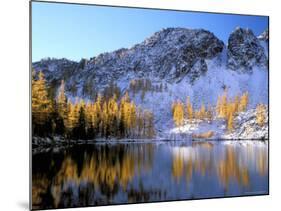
[(83, 31)]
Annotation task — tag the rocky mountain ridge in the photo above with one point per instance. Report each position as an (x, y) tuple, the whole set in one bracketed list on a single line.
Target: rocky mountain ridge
[(171, 55)]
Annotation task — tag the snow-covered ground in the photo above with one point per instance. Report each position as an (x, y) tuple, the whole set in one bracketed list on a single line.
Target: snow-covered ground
[(205, 90), (245, 127)]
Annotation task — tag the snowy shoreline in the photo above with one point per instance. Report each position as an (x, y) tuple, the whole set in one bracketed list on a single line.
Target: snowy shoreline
[(246, 129), (40, 144)]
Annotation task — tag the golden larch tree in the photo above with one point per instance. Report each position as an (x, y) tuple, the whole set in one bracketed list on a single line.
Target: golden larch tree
[(96, 115), (260, 114), (230, 122), (178, 114), (244, 102), (113, 115), (72, 117), (41, 104)]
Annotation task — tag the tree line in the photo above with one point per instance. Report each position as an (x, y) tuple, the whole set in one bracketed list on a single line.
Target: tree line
[(144, 85), (181, 112), (226, 109), (105, 117)]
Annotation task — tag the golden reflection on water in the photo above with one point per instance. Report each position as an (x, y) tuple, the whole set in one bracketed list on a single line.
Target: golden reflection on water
[(231, 164), (106, 171), (103, 170), (229, 168), (39, 186)]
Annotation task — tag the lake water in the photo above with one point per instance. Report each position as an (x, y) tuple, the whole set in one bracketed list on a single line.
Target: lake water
[(116, 173)]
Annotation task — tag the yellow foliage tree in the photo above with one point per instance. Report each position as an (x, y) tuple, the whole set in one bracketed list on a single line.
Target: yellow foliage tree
[(113, 115), (128, 116), (236, 103), (243, 102), (222, 105), (227, 109), (89, 110), (96, 115), (224, 101), (41, 104), (230, 122), (229, 116), (260, 114), (72, 117), (178, 114)]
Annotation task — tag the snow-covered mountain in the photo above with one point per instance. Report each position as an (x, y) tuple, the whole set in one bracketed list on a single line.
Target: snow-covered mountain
[(187, 62)]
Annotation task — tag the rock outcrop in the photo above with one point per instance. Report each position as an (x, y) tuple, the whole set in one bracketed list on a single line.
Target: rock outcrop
[(245, 51), (264, 36)]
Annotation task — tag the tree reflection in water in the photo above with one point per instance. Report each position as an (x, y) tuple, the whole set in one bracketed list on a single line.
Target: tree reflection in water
[(100, 174)]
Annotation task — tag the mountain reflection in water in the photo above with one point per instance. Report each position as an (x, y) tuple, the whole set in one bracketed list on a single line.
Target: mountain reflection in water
[(100, 174)]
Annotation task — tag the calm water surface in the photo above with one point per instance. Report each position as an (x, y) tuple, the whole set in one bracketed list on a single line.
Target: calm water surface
[(101, 174)]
